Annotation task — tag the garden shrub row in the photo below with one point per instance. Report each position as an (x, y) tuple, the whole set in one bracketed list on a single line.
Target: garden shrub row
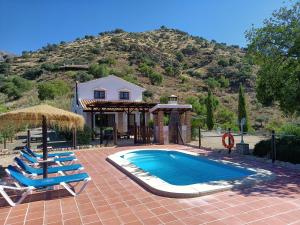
[(287, 149)]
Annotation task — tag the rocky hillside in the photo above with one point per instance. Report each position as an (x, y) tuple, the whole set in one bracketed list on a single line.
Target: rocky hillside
[(164, 61), (6, 56)]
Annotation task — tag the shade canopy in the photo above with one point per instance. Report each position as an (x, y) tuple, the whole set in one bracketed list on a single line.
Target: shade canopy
[(44, 116), (34, 116)]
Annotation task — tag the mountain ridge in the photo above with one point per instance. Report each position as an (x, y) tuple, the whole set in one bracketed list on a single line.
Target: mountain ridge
[(189, 65)]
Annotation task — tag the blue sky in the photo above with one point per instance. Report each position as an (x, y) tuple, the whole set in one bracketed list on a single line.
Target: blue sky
[(31, 24)]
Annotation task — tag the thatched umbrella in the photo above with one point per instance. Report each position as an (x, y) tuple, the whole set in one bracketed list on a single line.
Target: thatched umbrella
[(45, 116)]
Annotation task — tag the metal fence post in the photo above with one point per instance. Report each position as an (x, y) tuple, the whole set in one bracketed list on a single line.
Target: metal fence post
[(229, 142), (273, 146)]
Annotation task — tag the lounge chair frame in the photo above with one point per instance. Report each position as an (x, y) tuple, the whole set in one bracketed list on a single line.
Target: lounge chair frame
[(25, 191)]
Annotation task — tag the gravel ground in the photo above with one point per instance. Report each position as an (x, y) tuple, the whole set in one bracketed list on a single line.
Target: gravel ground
[(216, 142)]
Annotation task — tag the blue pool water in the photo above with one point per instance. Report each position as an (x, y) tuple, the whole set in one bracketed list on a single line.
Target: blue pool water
[(178, 168)]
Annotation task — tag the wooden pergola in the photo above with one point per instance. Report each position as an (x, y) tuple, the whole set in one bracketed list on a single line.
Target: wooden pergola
[(100, 106)]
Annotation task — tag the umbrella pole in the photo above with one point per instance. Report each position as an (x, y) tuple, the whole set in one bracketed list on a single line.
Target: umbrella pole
[(28, 139), (45, 150)]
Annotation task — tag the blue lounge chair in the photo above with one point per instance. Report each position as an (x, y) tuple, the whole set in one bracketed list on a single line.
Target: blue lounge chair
[(51, 155), (27, 169), (58, 161), (27, 185)]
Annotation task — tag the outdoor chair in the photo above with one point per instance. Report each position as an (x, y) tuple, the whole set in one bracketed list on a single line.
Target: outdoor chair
[(37, 161), (51, 155), (32, 171), (27, 185)]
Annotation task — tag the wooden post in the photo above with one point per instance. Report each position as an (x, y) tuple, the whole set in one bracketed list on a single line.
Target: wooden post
[(229, 142), (135, 133), (28, 139), (115, 134), (74, 138), (101, 128), (92, 121), (4, 143), (144, 127), (45, 150), (128, 121), (200, 137), (273, 146)]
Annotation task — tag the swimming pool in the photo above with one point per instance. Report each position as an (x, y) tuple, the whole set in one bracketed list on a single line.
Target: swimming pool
[(178, 173), (178, 168)]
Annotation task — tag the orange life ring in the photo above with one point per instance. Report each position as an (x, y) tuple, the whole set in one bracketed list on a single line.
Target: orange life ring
[(230, 136)]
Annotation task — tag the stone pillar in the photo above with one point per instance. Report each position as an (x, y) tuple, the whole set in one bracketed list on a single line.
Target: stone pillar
[(182, 119), (160, 120), (188, 123), (155, 119), (120, 122)]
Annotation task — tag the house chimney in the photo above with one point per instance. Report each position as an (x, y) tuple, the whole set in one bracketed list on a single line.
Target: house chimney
[(76, 93), (173, 100)]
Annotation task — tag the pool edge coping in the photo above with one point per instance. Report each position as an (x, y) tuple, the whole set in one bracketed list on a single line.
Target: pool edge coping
[(160, 187)]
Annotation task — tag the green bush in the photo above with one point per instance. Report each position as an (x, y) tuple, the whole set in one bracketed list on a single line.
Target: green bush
[(98, 70), (156, 78), (172, 71), (4, 68), (226, 118), (195, 73), (145, 69), (212, 83), (224, 82), (32, 74), (166, 120), (109, 61), (82, 76), (198, 107), (147, 94), (131, 78), (223, 62), (96, 50), (179, 56), (290, 129), (163, 99), (15, 86), (3, 108), (52, 89), (84, 137), (49, 66), (287, 149)]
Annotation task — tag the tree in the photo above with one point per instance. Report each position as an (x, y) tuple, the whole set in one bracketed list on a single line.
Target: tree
[(52, 89), (32, 74), (275, 47), (156, 78), (14, 86), (209, 111), (4, 68), (242, 109), (98, 70)]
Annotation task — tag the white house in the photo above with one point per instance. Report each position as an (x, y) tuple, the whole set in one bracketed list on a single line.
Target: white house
[(113, 102), (118, 101)]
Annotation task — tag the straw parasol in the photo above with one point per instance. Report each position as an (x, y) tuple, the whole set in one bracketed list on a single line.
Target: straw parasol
[(45, 116)]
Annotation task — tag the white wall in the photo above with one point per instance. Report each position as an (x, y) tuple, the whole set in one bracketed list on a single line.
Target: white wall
[(112, 85)]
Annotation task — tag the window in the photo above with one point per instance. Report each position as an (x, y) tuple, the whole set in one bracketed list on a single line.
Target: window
[(99, 94), (124, 95)]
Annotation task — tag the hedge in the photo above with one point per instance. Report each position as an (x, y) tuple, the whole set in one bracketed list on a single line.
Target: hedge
[(287, 149)]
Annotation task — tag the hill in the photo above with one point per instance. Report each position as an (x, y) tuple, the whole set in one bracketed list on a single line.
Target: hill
[(164, 61)]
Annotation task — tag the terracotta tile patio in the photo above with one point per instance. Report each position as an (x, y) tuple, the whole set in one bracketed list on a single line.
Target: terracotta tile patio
[(113, 198)]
